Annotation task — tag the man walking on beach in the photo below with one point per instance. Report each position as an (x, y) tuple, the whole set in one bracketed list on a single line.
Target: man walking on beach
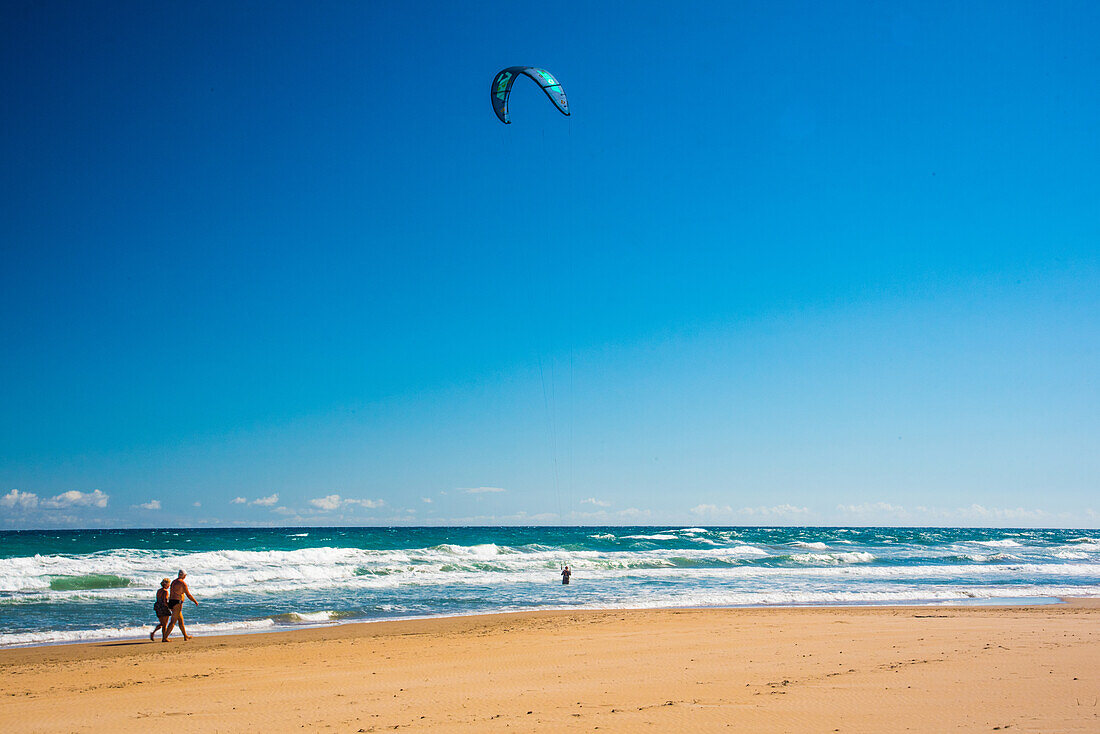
[(176, 593)]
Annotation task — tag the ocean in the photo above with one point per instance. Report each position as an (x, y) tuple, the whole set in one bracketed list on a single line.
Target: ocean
[(75, 585)]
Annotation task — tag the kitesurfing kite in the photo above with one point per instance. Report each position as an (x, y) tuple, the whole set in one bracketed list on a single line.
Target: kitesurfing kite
[(502, 89)]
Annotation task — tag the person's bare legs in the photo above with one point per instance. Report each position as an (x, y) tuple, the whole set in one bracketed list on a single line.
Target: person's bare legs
[(169, 627), (177, 618), (161, 624)]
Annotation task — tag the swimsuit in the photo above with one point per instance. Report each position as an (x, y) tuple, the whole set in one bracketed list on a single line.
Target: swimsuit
[(173, 602), (161, 609)]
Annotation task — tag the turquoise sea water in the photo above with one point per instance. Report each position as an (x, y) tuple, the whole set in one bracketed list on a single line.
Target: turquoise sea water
[(58, 585)]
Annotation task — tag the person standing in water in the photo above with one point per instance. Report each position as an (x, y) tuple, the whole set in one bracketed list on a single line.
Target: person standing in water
[(175, 605), (160, 607), (565, 574)]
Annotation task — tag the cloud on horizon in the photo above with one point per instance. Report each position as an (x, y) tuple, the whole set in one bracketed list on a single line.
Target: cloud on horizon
[(727, 511), (482, 490), (76, 498), (775, 510), (331, 502), (19, 500), (973, 513)]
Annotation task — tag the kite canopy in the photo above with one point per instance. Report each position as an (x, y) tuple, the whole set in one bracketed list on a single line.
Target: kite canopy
[(502, 89)]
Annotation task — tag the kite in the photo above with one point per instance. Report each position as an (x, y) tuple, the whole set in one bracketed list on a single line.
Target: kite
[(502, 89)]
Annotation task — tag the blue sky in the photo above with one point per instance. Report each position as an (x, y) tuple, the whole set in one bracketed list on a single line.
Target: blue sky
[(804, 263)]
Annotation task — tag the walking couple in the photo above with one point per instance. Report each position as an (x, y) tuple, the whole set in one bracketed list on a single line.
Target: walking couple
[(169, 606)]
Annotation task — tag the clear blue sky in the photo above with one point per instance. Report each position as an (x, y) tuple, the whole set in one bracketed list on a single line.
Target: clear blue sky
[(785, 263)]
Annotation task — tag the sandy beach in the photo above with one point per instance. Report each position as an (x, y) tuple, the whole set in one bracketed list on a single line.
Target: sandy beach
[(866, 669)]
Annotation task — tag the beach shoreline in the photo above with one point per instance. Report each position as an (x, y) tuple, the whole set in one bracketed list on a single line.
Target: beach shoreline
[(772, 669), (88, 586), (200, 629)]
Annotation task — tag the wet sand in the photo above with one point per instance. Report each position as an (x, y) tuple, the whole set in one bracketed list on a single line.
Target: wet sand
[(862, 669)]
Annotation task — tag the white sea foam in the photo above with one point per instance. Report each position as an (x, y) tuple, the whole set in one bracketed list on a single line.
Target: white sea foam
[(830, 558), (996, 543), (814, 546), (985, 558), (1071, 555), (47, 637), (746, 550), (226, 573), (484, 550), (656, 536)]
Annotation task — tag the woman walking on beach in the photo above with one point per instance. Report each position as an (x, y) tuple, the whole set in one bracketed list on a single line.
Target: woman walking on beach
[(160, 606)]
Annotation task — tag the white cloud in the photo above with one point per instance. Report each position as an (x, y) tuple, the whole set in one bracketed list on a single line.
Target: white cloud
[(76, 498), (150, 505), (326, 504), (872, 507), (481, 490), (426, 500), (633, 512), (266, 501), (334, 501), (775, 510), (726, 511), (979, 512), (537, 517), (197, 504), (710, 510), (974, 513), (238, 501), (596, 502), (19, 500)]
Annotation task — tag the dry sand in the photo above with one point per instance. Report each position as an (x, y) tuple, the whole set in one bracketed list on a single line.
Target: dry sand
[(927, 669)]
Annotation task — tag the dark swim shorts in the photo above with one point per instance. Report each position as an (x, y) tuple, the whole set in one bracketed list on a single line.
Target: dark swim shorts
[(161, 610), (173, 603)]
